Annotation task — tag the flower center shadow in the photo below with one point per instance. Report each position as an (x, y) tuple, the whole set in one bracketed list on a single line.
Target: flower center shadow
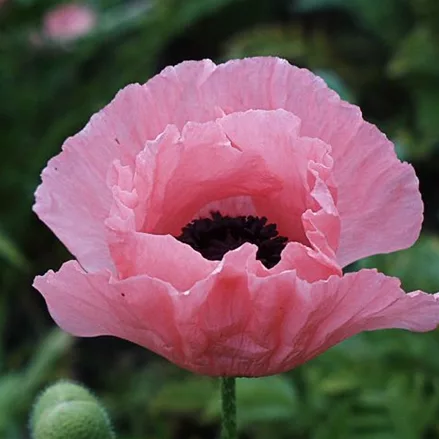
[(214, 237)]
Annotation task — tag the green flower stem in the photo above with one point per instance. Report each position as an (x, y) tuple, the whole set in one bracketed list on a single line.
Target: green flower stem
[(228, 399)]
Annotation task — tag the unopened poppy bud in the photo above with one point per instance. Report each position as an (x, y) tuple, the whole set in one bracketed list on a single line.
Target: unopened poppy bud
[(67, 410), (63, 391)]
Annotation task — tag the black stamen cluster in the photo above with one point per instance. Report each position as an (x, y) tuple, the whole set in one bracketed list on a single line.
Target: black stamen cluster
[(214, 237)]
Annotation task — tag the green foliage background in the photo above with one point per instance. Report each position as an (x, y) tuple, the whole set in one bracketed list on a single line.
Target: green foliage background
[(382, 55)]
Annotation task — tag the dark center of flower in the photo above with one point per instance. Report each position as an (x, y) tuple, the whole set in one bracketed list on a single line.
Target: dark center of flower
[(214, 237)]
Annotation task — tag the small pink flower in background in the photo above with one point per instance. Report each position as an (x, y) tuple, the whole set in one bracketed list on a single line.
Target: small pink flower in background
[(69, 21), (211, 211)]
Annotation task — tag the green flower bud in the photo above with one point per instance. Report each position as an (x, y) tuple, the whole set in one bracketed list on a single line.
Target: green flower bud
[(69, 411), (55, 394)]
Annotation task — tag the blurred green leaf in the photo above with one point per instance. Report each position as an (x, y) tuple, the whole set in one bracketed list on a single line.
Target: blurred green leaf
[(388, 20), (417, 267), (411, 408), (18, 389), (428, 12), (25, 2), (10, 252), (316, 5), (417, 53), (340, 382), (11, 397), (268, 41), (176, 15), (427, 111), (335, 425), (53, 347), (122, 18), (188, 396)]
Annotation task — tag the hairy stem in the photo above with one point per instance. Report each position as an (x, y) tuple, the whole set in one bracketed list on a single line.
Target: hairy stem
[(228, 399)]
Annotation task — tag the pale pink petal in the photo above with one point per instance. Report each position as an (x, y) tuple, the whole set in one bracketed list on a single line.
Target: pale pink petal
[(90, 304), (381, 206), (74, 198), (179, 173), (302, 164), (391, 209), (322, 221), (238, 324), (228, 326), (125, 199), (365, 301), (198, 91), (174, 95), (234, 322), (159, 256), (163, 256), (276, 323), (234, 206), (309, 264)]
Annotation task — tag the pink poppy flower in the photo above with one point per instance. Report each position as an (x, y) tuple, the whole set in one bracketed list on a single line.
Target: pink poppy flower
[(68, 22), (211, 211)]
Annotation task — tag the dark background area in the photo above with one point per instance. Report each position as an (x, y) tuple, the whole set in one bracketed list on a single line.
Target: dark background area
[(382, 55)]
